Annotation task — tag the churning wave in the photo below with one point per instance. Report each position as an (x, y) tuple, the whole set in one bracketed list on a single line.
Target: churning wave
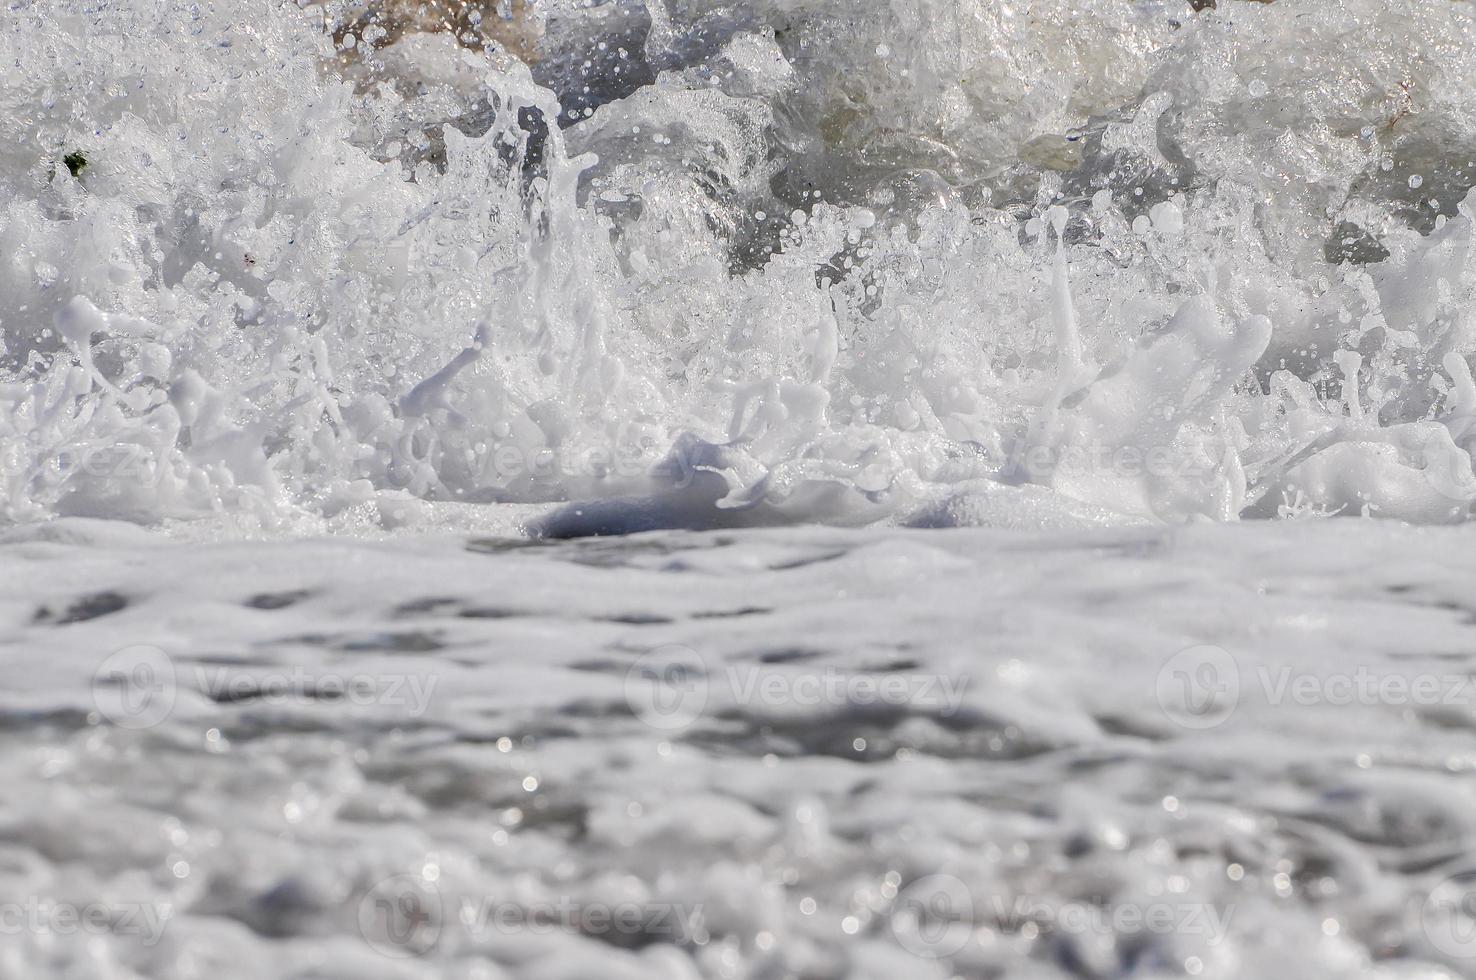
[(304, 266)]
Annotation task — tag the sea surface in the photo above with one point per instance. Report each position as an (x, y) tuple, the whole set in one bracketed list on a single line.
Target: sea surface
[(811, 489), (1209, 751)]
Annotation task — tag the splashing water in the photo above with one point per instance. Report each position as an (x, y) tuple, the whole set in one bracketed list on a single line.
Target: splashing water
[(695, 264)]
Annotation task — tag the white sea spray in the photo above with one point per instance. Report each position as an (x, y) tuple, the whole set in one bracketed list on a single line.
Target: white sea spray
[(1121, 256)]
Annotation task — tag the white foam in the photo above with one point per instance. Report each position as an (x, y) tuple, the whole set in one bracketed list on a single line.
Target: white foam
[(1053, 247), (489, 741)]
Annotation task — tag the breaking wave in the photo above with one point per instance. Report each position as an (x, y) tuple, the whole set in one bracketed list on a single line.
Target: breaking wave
[(298, 267)]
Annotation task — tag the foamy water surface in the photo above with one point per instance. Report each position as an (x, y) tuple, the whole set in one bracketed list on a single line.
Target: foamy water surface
[(778, 261), (1215, 752), (787, 488)]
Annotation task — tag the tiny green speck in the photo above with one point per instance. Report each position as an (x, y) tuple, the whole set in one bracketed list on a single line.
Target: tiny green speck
[(75, 162)]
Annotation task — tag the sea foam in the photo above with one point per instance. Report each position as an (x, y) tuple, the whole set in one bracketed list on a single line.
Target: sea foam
[(785, 262)]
